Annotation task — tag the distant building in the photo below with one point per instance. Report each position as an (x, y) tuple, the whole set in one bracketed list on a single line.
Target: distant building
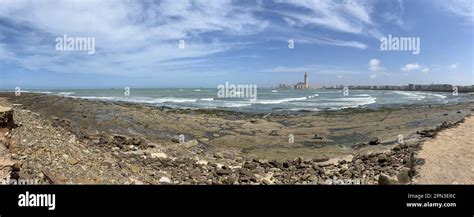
[(299, 85), (303, 85), (284, 86)]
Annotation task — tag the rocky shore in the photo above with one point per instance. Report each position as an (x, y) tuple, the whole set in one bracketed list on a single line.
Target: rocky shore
[(58, 140)]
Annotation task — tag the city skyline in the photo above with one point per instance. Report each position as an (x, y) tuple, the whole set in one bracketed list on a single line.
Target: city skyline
[(206, 43)]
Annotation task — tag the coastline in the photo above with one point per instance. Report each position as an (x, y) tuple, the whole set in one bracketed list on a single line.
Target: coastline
[(103, 142)]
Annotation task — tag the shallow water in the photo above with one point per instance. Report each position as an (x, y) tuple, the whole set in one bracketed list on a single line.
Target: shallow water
[(267, 99)]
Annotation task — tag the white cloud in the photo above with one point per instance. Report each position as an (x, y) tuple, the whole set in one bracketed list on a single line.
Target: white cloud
[(372, 76), (462, 8), (316, 69), (136, 34), (410, 67), (453, 66), (374, 65), (425, 70), (345, 16)]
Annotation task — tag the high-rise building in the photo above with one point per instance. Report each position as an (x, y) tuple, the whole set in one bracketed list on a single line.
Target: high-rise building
[(306, 83)]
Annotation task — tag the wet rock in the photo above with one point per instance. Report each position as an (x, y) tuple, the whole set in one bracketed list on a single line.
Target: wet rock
[(374, 141), (427, 133), (319, 137), (274, 133)]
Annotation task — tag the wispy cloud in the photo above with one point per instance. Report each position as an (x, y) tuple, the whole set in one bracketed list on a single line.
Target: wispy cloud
[(462, 8), (316, 69)]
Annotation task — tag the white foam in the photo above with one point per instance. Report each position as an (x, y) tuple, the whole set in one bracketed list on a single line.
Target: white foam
[(352, 102), (95, 97), (438, 95), (278, 101), (65, 93), (411, 95)]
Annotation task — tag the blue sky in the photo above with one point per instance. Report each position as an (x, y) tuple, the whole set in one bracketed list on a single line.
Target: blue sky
[(243, 42)]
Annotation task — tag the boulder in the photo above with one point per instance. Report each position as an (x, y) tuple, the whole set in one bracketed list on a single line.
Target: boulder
[(430, 133), (319, 137), (158, 155), (374, 141), (386, 180), (6, 117), (404, 176), (165, 180)]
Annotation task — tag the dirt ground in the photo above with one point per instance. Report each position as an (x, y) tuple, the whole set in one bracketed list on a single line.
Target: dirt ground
[(449, 158)]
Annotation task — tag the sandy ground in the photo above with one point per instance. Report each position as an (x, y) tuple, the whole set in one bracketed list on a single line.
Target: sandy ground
[(449, 158)]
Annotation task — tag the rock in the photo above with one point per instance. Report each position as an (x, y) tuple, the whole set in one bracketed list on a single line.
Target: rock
[(404, 176), (218, 155), (54, 178), (319, 137), (382, 158), (386, 180), (165, 180), (136, 141), (247, 176), (274, 133), (120, 141), (427, 133), (319, 160), (72, 161), (202, 162), (6, 118), (231, 180), (190, 144), (134, 169), (221, 172), (262, 161), (158, 155), (374, 141)]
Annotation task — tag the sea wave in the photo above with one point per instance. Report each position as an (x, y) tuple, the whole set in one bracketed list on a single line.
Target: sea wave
[(411, 95), (95, 97), (278, 101), (351, 102), (65, 93)]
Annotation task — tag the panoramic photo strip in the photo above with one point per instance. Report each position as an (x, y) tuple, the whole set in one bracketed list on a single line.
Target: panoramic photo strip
[(310, 93)]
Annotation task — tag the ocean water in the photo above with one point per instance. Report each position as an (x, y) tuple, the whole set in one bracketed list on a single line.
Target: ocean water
[(267, 99)]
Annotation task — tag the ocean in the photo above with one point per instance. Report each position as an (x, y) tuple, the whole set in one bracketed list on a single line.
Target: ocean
[(267, 99)]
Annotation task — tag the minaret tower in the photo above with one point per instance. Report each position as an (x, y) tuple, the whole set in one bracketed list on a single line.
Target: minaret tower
[(306, 83)]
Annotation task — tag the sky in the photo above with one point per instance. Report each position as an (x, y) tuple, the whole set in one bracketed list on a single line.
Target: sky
[(140, 43)]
